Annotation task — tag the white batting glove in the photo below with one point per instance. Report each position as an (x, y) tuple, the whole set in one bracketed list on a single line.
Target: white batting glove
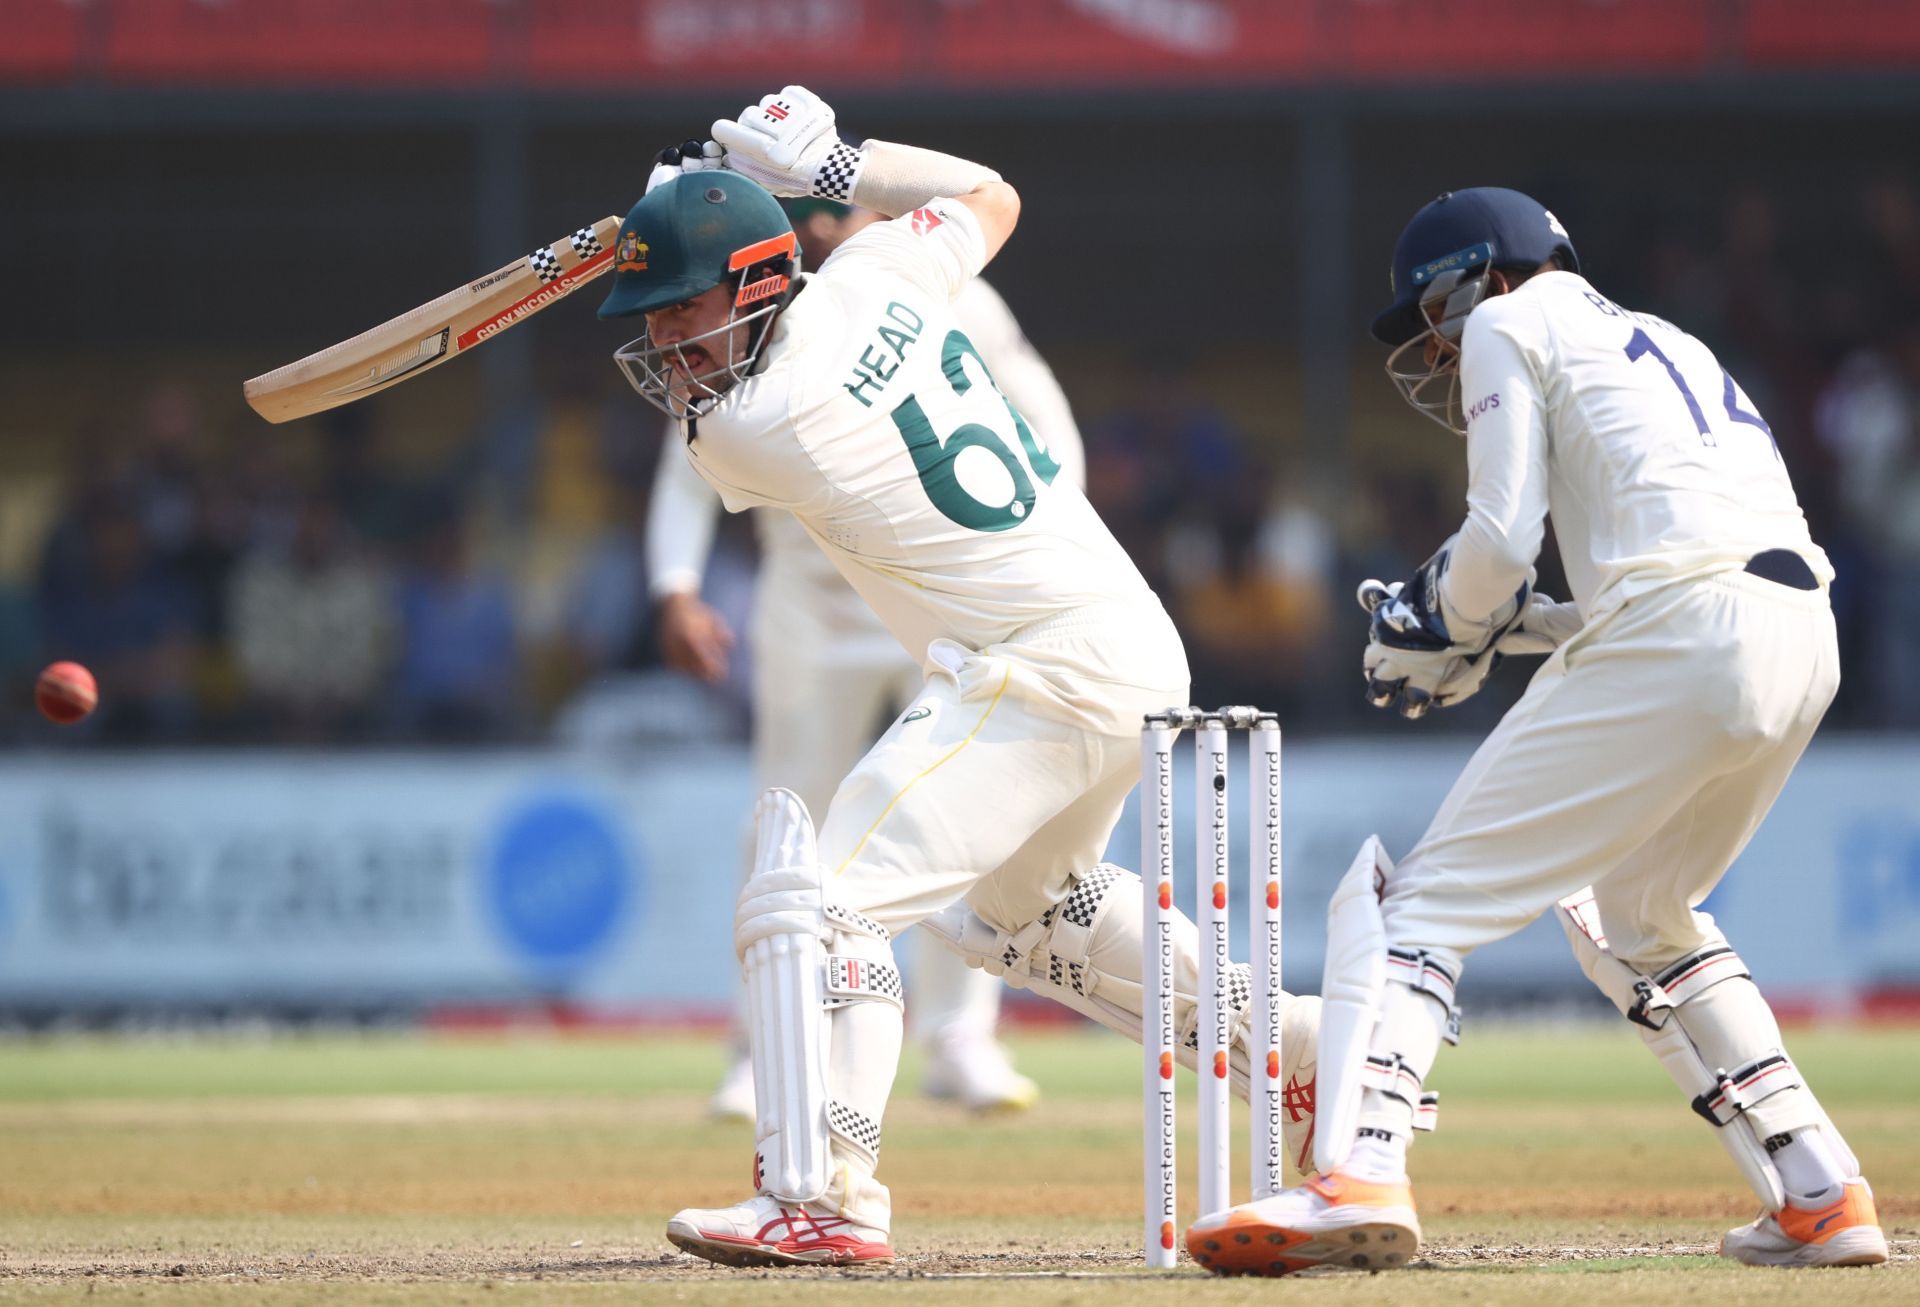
[(788, 144), (688, 156)]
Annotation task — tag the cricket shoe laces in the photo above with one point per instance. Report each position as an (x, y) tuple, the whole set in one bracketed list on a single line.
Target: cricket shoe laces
[(1845, 1232), (765, 1231), (1331, 1220)]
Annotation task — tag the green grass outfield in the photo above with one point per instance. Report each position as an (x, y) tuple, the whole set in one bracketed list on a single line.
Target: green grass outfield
[(408, 1169)]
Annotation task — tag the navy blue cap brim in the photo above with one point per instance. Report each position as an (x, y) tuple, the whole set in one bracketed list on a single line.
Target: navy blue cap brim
[(1398, 323)]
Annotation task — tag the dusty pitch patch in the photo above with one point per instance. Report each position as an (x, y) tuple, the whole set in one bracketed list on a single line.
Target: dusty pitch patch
[(647, 1265)]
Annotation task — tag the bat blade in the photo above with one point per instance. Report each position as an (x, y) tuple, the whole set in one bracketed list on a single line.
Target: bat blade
[(438, 330)]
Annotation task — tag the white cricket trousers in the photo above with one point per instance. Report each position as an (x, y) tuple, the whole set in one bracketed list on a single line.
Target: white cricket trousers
[(821, 690), (983, 791), (1642, 758)]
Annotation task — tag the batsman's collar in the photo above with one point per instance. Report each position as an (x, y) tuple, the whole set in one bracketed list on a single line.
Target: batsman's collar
[(684, 234)]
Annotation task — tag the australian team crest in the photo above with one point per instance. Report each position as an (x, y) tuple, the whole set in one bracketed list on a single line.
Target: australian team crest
[(631, 252)]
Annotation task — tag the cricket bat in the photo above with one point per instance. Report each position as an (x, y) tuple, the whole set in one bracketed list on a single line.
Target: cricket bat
[(436, 331)]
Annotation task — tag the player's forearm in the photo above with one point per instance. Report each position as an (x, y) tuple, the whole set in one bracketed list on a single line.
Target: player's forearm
[(1496, 547), (1489, 564), (681, 513), (896, 179)]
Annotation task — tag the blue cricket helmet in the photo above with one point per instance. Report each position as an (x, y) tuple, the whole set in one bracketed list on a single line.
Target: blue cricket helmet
[(1478, 228)]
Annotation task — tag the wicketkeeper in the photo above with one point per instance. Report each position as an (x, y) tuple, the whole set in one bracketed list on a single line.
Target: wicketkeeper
[(1685, 679)]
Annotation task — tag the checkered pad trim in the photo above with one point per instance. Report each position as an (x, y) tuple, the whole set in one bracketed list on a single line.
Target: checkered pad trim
[(837, 174), (857, 1128), (1239, 987), (585, 243), (858, 976), (855, 922), (1239, 982), (1068, 975), (545, 263), (1083, 901)]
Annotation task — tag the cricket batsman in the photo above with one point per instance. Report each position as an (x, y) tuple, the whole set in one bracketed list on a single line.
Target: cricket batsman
[(853, 399), (827, 673), (1684, 681)]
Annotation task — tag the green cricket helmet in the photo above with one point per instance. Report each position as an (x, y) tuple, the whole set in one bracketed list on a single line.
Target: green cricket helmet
[(685, 237)]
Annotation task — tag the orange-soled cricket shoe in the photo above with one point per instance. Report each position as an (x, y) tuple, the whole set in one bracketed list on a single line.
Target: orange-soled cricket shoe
[(1846, 1232), (1331, 1220)]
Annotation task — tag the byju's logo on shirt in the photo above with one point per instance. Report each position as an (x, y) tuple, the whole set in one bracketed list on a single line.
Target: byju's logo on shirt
[(1481, 406)]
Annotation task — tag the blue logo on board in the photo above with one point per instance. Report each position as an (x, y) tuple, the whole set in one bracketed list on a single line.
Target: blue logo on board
[(561, 879)]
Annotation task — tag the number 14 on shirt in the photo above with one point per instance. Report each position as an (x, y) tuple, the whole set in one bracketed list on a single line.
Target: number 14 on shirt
[(1640, 344)]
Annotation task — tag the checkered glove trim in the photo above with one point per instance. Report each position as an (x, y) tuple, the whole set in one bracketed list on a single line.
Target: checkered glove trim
[(545, 263), (857, 1128), (585, 243), (837, 173)]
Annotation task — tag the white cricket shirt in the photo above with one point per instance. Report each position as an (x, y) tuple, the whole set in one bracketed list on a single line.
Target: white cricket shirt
[(1654, 463), (680, 518), (875, 424)]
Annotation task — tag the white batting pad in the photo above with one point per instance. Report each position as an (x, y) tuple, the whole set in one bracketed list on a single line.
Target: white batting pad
[(780, 930), (1085, 954)]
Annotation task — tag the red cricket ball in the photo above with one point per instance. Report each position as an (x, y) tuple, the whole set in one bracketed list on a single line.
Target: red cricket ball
[(66, 692)]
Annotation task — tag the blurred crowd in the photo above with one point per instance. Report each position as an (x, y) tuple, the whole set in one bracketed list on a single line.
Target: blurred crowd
[(225, 591)]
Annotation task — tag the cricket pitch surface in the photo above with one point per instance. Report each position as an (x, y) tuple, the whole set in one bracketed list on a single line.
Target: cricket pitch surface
[(416, 1169)]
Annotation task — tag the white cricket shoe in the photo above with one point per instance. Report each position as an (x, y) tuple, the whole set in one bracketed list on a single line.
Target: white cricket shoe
[(1331, 1220), (763, 1231), (1846, 1232), (733, 1100), (975, 1072)]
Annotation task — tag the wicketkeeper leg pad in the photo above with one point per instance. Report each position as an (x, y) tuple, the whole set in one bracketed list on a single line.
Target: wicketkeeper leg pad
[(1708, 1024), (823, 1013), (1383, 1013)]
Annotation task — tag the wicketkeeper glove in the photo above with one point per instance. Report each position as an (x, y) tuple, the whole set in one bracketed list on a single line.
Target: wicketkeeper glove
[(1413, 661)]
